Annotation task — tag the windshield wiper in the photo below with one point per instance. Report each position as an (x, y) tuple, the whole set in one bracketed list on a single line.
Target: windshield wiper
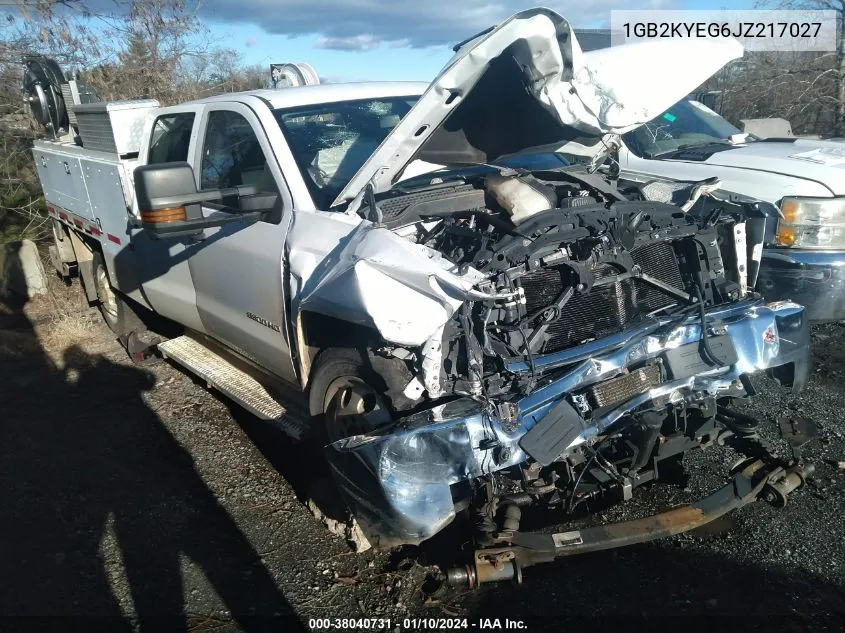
[(445, 176), (697, 147), (459, 171)]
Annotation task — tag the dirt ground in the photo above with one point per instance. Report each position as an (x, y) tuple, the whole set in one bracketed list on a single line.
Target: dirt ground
[(136, 498)]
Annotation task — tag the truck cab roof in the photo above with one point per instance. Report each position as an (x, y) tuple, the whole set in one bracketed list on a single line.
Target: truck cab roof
[(325, 93)]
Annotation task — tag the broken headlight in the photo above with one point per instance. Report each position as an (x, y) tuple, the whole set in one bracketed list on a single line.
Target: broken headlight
[(817, 223), (415, 471), (418, 459)]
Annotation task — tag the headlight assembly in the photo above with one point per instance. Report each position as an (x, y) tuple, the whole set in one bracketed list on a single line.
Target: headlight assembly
[(812, 223)]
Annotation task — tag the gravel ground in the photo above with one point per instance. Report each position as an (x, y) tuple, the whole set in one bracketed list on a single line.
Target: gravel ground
[(138, 496)]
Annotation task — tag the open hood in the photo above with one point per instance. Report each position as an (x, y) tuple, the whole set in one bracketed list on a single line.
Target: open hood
[(526, 86)]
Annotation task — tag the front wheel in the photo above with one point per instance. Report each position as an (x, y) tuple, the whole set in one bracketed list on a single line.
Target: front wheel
[(345, 397)]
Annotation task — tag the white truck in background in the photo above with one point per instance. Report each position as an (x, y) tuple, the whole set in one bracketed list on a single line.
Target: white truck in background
[(798, 182), (456, 303)]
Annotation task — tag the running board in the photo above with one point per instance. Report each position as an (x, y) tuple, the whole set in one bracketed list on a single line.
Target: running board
[(220, 374)]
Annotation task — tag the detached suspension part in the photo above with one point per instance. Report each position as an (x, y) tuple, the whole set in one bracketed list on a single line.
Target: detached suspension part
[(777, 491), (761, 478)]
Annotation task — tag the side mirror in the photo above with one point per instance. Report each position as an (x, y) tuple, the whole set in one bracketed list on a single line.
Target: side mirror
[(171, 206)]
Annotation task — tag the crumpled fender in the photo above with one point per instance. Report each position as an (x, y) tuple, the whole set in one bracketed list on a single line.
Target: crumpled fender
[(403, 290)]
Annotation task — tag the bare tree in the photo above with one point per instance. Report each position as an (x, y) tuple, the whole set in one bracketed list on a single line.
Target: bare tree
[(799, 87), (138, 49), (147, 44), (806, 88), (222, 70)]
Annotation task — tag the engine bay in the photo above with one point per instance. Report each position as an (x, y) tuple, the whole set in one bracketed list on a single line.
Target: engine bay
[(594, 265), (600, 336)]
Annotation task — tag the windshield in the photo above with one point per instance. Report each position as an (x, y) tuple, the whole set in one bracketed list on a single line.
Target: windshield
[(686, 124), (330, 142)]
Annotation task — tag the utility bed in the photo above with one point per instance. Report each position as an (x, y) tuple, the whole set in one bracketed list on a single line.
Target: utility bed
[(87, 182), (89, 191)]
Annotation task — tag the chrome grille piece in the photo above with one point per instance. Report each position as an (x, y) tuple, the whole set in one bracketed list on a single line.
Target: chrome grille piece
[(625, 387)]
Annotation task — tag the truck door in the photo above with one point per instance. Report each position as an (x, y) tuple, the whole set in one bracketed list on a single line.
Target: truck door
[(238, 268), (160, 267)]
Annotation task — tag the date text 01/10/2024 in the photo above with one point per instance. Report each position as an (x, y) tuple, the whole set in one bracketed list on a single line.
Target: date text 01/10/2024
[(412, 624)]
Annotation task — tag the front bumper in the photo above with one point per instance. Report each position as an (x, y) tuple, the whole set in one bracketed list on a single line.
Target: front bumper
[(815, 279), (397, 481)]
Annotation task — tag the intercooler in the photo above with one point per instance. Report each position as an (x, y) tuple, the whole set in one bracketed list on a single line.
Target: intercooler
[(606, 309)]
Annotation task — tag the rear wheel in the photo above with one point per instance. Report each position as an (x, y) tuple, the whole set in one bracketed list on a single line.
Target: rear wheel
[(116, 312), (345, 395)]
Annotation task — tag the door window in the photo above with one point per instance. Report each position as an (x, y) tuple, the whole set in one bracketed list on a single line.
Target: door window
[(232, 157), (171, 138)]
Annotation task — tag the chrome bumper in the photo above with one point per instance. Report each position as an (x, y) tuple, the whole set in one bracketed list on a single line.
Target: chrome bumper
[(397, 482)]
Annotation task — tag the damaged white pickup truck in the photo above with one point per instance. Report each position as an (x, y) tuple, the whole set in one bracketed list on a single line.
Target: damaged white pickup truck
[(478, 326)]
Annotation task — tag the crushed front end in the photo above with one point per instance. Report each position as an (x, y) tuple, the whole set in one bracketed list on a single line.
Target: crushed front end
[(609, 336)]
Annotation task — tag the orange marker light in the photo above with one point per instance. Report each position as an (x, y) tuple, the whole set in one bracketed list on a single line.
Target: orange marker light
[(785, 236), (789, 209), (170, 214)]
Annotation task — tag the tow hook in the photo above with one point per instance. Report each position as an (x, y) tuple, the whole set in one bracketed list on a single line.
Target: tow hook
[(759, 479), (778, 489), (488, 566)]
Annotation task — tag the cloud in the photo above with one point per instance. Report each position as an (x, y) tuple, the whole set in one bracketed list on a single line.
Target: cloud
[(363, 42), (357, 25)]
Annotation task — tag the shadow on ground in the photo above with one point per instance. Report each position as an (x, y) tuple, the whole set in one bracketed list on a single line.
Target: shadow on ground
[(89, 474), (664, 587), (301, 464), (85, 463)]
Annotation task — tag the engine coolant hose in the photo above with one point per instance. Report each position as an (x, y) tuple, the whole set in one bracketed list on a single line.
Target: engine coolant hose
[(707, 351)]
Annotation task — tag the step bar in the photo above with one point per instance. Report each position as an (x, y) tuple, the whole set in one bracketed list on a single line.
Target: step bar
[(219, 373)]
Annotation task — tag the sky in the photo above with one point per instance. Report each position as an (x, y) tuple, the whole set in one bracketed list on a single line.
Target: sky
[(361, 40)]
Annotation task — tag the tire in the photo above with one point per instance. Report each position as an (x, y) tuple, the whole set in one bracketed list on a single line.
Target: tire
[(117, 314), (350, 372)]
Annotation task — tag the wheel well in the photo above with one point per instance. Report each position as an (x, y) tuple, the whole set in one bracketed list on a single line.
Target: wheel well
[(319, 333), (316, 332), (84, 250)]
